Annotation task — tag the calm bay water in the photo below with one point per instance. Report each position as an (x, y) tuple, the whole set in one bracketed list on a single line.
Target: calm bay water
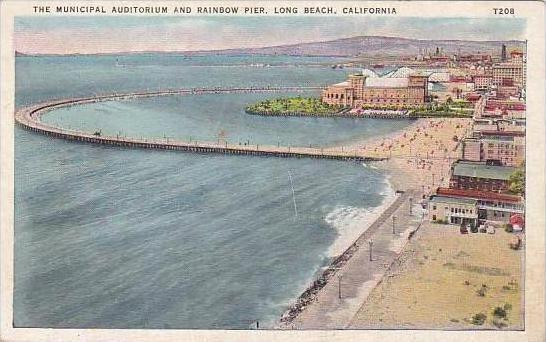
[(119, 238), (203, 117)]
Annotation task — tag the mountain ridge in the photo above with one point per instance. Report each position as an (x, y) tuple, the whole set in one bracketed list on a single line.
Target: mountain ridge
[(344, 47)]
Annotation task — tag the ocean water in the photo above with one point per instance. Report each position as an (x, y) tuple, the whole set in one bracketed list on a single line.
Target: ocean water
[(121, 238), (203, 117)]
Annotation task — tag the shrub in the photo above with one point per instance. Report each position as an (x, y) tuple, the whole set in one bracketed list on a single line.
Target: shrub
[(479, 319), (499, 312), (507, 307), (517, 182)]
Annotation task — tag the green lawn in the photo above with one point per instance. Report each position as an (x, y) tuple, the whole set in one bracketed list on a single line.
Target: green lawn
[(293, 106)]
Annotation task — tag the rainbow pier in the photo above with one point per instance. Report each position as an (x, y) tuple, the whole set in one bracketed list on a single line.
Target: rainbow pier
[(29, 118)]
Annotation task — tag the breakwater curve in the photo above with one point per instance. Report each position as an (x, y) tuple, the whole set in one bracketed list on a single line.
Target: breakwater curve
[(29, 118)]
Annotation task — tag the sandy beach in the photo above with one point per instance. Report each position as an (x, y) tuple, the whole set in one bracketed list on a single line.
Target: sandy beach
[(435, 283), (420, 155)]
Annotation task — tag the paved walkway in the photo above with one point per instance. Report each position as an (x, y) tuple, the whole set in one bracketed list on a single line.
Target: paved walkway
[(360, 275)]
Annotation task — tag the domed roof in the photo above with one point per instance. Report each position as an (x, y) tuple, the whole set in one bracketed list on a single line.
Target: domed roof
[(401, 72), (369, 73)]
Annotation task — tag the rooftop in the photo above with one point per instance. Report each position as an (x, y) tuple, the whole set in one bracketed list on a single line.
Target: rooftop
[(486, 133), (481, 170), (387, 82), (458, 200), (401, 72), (477, 194), (498, 137), (368, 73), (342, 84), (507, 65)]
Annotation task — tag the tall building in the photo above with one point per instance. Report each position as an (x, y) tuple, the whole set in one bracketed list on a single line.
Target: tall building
[(503, 53), (360, 90), (506, 150), (510, 73)]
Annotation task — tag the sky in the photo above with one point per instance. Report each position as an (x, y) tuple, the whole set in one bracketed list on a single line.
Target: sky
[(64, 35)]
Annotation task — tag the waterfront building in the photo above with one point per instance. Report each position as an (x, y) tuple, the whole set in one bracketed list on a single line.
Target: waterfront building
[(361, 90), (505, 150), (501, 149), (475, 175), (453, 210), (487, 127), (489, 206)]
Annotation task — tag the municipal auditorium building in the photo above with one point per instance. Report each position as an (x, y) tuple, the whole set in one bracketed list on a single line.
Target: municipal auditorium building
[(361, 89)]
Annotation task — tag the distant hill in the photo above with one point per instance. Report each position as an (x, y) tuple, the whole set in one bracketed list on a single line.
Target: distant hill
[(373, 46), (366, 46)]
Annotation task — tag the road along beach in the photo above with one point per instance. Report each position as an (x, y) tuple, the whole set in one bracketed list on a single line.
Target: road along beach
[(337, 294)]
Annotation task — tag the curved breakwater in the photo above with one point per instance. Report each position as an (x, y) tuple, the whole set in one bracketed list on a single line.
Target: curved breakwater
[(29, 118)]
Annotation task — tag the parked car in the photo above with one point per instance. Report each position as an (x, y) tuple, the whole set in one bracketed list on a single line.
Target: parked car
[(463, 229)]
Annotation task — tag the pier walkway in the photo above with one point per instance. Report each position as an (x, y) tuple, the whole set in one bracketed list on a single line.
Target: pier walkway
[(29, 118)]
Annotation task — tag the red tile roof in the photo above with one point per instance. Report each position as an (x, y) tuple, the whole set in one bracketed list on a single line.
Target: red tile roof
[(477, 194)]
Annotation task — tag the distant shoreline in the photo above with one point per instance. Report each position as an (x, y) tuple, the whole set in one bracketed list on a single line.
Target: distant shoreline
[(351, 47)]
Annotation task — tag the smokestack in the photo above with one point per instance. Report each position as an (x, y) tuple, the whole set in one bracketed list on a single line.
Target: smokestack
[(503, 53)]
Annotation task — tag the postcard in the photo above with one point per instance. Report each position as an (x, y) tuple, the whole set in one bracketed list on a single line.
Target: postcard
[(272, 170)]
